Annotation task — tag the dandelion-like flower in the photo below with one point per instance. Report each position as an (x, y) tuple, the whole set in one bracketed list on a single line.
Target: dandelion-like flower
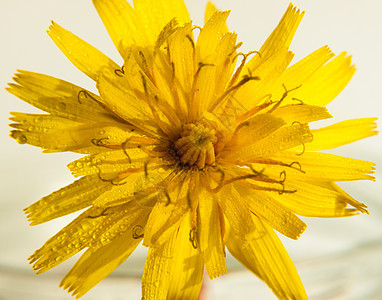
[(191, 147)]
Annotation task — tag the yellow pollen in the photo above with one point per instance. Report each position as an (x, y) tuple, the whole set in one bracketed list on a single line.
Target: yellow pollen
[(195, 147)]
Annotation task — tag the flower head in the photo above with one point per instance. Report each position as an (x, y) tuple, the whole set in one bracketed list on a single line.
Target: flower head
[(191, 147)]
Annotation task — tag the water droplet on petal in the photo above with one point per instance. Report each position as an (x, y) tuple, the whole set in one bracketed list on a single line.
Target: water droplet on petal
[(38, 119), (61, 106), (21, 139)]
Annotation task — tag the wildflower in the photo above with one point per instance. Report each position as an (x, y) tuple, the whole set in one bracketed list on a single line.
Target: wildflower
[(191, 147)]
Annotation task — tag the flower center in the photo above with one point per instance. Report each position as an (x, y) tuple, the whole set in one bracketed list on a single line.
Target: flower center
[(195, 147)]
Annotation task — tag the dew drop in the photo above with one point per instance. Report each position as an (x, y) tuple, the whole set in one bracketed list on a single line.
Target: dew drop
[(61, 106), (21, 139), (38, 119)]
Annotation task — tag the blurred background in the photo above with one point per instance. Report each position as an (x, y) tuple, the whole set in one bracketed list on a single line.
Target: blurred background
[(337, 259)]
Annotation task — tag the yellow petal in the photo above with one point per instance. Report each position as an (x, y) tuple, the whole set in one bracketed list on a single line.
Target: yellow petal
[(110, 162), (210, 35), (255, 129), (165, 217), (182, 50), (266, 257), (158, 265), (325, 84), (327, 167), (268, 73), (76, 196), (172, 98), (359, 206), (285, 138), (94, 228), (68, 241), (313, 200), (237, 214), (156, 14), (124, 26), (84, 56), (187, 268), (58, 97), (272, 212), (118, 96), (216, 73), (342, 133), (299, 73), (210, 235), (40, 123), (145, 184), (67, 135), (280, 38), (95, 265), (210, 10), (301, 113)]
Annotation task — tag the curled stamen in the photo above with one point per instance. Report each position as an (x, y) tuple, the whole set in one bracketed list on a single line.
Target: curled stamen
[(282, 183), (300, 102), (120, 72), (102, 214), (246, 78), (200, 66), (146, 68), (124, 149), (144, 83), (193, 239), (112, 180), (196, 27), (135, 234), (145, 166), (303, 149), (302, 142), (285, 94), (299, 168), (99, 142), (245, 55), (86, 95), (191, 41), (257, 173), (283, 177), (269, 161)]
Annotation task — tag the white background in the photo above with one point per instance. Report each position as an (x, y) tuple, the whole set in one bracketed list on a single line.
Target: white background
[(337, 259)]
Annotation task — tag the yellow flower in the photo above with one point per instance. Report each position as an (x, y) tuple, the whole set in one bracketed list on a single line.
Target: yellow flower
[(192, 146)]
